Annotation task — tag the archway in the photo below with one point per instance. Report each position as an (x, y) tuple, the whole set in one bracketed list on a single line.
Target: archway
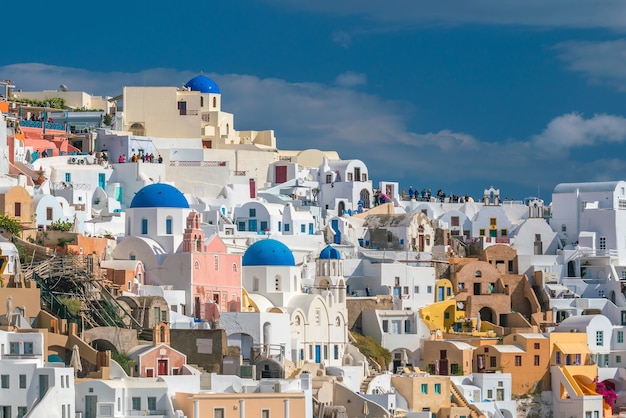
[(341, 208), (104, 345), (364, 196), (137, 129), (487, 314)]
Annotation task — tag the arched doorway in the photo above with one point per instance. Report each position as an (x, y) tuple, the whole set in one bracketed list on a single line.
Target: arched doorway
[(341, 208), (487, 314), (365, 198)]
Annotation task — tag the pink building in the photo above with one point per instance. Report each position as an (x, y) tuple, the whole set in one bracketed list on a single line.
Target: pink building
[(158, 358), (210, 276)]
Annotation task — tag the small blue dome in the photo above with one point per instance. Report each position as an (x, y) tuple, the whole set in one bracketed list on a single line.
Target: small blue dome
[(203, 84), (330, 253), (159, 195), (268, 252)]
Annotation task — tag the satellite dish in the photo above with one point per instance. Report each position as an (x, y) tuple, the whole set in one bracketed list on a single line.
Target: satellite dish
[(237, 386), (63, 87), (460, 305)]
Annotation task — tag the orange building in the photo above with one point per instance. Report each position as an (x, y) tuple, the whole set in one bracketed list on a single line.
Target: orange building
[(525, 356)]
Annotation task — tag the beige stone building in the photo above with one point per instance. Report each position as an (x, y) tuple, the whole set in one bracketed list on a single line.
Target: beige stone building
[(17, 203)]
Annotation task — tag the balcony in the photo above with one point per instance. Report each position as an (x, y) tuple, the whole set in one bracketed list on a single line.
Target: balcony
[(41, 125), (188, 112), (20, 356), (239, 173)]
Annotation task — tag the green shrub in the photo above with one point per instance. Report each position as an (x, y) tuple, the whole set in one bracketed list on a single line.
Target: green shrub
[(10, 224), (371, 348)]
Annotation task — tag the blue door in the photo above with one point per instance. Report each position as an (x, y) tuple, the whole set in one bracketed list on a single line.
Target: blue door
[(396, 292), (252, 225), (334, 224), (101, 180), (440, 292), (318, 353)]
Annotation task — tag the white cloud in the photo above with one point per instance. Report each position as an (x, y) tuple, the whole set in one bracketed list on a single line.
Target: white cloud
[(553, 13), (367, 127), (573, 131), (350, 79), (601, 62)]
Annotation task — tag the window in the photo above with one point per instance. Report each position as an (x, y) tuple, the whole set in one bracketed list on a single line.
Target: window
[(28, 347), (454, 220), (563, 228), (152, 403), (603, 243), (18, 209), (68, 177), (620, 336), (329, 178), (537, 360), (216, 262), (481, 232), (385, 325), (252, 213), (429, 289), (48, 214), (144, 226), (336, 352), (405, 290), (618, 359), (518, 360), (303, 228), (478, 273), (287, 227), (22, 411), (600, 338), (504, 232), (14, 348), (265, 413), (218, 413), (438, 388), (558, 357), (4, 381), (23, 381), (492, 361), (492, 221), (136, 402), (489, 393), (416, 289), (168, 226), (424, 388), (349, 176)]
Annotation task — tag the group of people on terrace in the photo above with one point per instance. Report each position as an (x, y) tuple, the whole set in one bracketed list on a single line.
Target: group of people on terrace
[(144, 158), (426, 196)]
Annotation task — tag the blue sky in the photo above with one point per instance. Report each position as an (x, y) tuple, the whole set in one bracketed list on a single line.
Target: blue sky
[(449, 94)]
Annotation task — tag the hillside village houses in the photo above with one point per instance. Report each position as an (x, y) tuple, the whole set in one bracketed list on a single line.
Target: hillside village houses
[(270, 262)]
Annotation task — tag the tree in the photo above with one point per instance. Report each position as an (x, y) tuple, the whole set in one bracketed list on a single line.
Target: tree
[(11, 225), (107, 120)]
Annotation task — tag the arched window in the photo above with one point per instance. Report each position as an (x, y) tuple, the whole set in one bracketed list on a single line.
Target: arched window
[(478, 273), (144, 226), (234, 267), (168, 225), (255, 284), (215, 102), (137, 129), (196, 265)]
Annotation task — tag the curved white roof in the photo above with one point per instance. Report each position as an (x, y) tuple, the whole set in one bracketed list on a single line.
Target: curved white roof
[(604, 186)]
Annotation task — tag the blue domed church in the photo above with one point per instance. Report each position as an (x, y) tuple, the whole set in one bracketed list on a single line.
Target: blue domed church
[(157, 216), (318, 328)]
